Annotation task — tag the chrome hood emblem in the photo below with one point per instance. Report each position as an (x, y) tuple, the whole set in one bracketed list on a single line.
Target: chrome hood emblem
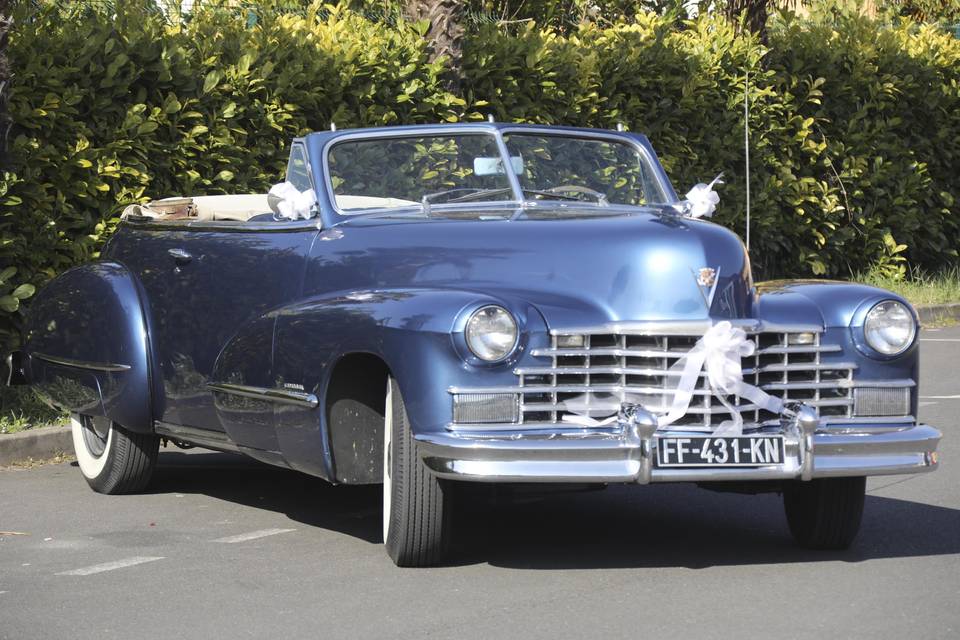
[(707, 277)]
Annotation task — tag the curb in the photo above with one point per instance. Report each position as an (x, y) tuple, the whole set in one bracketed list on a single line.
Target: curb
[(939, 313), (41, 443)]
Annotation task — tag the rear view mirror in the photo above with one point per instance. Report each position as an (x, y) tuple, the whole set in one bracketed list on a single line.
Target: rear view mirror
[(494, 166)]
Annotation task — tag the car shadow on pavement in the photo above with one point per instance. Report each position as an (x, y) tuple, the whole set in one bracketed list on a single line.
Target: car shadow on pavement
[(352, 510), (620, 527), (685, 526)]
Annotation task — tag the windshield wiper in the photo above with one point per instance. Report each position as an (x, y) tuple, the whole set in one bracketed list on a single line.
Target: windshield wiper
[(426, 198), (477, 193), (532, 192)]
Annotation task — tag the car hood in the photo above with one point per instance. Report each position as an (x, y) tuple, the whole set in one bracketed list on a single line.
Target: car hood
[(578, 269)]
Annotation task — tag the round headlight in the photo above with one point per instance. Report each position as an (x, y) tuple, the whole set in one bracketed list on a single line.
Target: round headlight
[(491, 333), (889, 327)]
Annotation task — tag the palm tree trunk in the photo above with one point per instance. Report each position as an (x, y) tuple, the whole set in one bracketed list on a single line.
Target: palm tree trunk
[(752, 12), (445, 35)]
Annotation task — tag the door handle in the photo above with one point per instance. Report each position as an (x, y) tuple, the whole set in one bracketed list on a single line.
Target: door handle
[(180, 256)]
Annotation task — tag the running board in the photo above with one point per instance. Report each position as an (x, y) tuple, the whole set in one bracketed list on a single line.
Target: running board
[(206, 438)]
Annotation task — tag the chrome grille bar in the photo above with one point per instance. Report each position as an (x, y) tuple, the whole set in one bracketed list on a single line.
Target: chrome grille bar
[(607, 367)]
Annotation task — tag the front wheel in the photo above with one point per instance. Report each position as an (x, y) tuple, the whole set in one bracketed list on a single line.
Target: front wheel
[(825, 513), (112, 459), (416, 504)]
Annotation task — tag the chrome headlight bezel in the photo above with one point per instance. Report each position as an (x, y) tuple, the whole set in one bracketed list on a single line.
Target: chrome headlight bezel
[(889, 328), (483, 342)]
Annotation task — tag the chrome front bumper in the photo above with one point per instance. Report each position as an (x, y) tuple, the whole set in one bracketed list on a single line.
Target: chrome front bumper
[(627, 454)]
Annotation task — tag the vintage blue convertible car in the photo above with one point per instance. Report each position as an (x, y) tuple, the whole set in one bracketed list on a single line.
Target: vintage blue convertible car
[(425, 306)]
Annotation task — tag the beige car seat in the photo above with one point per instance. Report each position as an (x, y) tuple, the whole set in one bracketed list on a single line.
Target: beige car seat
[(231, 207)]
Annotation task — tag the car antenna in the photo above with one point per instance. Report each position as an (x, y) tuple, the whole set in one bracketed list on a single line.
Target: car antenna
[(746, 147), (333, 126), (620, 127), (490, 118)]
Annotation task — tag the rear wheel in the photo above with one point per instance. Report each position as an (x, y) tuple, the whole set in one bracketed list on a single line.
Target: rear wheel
[(112, 459), (416, 504), (825, 513)]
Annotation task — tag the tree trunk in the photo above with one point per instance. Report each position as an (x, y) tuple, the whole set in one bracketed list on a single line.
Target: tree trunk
[(6, 75), (755, 14), (445, 35)]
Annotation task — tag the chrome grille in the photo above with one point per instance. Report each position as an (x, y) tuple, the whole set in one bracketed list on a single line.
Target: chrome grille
[(609, 368)]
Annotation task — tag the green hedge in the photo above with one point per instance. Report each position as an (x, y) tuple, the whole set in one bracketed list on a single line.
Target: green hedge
[(855, 127)]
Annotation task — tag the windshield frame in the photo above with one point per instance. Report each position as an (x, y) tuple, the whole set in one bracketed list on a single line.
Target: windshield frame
[(518, 201)]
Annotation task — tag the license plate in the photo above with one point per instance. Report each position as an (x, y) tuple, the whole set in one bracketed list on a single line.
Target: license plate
[(708, 451)]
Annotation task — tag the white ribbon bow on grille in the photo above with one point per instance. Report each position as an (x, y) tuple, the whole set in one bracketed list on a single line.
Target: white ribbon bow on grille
[(719, 351)]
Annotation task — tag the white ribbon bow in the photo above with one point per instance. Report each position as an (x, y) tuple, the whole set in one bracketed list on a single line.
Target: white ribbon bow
[(294, 204), (703, 199), (719, 350)]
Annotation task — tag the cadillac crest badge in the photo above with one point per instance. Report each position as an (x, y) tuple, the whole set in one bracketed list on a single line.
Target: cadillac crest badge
[(707, 277)]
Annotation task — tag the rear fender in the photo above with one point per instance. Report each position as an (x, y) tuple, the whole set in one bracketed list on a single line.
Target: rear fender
[(87, 347)]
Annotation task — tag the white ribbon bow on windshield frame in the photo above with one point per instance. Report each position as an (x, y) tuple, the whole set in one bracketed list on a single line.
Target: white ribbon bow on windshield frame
[(702, 200), (719, 351), (294, 204)]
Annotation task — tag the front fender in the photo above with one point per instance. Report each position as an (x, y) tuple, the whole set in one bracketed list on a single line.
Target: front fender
[(841, 307), (835, 303), (413, 331), (87, 345)]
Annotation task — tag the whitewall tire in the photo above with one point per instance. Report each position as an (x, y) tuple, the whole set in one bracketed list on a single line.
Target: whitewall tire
[(416, 504), (387, 442), (112, 459)]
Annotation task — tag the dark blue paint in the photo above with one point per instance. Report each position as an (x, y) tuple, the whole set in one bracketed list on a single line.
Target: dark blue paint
[(264, 308), (93, 313)]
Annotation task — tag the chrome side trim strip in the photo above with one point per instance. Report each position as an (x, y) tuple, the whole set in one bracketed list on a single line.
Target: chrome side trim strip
[(298, 398), (82, 364)]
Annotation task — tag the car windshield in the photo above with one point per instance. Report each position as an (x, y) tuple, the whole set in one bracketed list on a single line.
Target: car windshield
[(376, 173), (597, 170), (468, 170)]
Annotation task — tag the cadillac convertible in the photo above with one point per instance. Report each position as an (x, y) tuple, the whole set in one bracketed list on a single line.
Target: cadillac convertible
[(425, 306)]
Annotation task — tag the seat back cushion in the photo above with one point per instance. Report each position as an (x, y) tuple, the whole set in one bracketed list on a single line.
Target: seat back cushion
[(231, 207)]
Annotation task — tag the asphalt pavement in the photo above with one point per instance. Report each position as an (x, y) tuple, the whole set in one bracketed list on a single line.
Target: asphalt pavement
[(223, 547)]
